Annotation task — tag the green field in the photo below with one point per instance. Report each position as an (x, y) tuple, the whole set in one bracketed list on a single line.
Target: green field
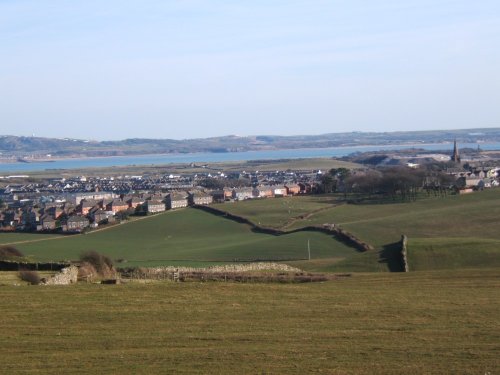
[(440, 318), (16, 237), (453, 253), (422, 322), (449, 232), (188, 237), (278, 212), (473, 215)]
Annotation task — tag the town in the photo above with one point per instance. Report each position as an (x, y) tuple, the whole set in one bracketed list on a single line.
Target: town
[(71, 205), (78, 204)]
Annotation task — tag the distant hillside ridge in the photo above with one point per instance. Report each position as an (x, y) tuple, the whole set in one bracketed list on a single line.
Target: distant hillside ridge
[(21, 146)]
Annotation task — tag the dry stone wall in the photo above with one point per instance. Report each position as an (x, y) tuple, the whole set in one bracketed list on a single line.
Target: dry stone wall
[(169, 271), (404, 252), (68, 275), (332, 229), (228, 268)]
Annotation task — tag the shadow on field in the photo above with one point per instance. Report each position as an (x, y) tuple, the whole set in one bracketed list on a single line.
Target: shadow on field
[(331, 201), (391, 255)]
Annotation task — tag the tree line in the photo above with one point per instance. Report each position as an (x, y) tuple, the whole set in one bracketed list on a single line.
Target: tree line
[(395, 182)]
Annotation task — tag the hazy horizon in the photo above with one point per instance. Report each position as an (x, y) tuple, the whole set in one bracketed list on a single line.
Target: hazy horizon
[(249, 136), (186, 69)]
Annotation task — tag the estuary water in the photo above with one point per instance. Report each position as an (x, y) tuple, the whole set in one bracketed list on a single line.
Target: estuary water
[(209, 157)]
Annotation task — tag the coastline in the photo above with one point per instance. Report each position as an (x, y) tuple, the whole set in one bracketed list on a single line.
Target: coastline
[(145, 155), (148, 160)]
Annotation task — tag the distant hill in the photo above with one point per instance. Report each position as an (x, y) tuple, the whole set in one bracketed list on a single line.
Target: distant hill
[(23, 146)]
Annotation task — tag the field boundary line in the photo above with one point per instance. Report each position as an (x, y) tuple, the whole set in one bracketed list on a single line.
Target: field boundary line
[(331, 229), (297, 218)]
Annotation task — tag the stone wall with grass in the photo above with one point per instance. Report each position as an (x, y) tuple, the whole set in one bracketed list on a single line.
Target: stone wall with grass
[(228, 268), (404, 252), (340, 233), (68, 275), (250, 272)]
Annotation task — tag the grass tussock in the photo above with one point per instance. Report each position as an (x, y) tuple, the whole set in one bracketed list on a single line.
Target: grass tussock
[(32, 277), (94, 265), (9, 252)]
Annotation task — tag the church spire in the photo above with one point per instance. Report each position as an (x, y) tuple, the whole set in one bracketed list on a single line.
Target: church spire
[(456, 156)]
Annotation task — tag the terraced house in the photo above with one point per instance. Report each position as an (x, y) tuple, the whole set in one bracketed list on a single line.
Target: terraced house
[(76, 223), (176, 200), (292, 189), (155, 206), (279, 191), (47, 222), (263, 192), (199, 198), (86, 205), (242, 194), (134, 202), (116, 205)]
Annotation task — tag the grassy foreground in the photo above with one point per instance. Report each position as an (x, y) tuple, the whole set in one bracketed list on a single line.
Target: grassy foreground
[(367, 324)]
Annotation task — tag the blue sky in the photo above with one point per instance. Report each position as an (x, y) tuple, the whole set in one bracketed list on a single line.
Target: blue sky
[(188, 68)]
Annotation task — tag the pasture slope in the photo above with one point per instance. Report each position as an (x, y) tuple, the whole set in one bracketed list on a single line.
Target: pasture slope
[(379, 323), (448, 232), (187, 237), (434, 322), (452, 232), (16, 237)]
